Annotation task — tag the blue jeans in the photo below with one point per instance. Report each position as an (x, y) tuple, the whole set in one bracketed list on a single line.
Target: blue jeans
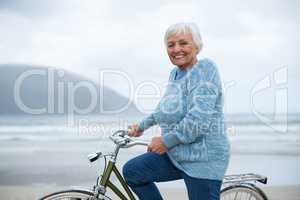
[(142, 171)]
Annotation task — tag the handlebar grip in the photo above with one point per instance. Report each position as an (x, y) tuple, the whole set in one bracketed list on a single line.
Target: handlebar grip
[(123, 133)]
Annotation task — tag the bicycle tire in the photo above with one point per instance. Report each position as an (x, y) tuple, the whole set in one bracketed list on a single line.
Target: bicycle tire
[(71, 195), (243, 192)]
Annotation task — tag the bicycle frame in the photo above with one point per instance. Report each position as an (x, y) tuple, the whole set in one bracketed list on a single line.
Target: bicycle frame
[(105, 182), (230, 182), (121, 140)]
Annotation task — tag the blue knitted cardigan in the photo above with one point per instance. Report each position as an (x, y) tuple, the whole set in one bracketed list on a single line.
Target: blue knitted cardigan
[(190, 115)]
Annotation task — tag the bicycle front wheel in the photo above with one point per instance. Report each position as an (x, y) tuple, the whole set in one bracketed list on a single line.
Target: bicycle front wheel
[(242, 192), (71, 195)]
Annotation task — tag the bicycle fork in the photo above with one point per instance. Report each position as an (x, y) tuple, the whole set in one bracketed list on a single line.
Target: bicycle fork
[(105, 182)]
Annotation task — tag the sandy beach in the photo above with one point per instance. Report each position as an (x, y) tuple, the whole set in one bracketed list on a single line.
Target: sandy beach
[(38, 162), (26, 176), (36, 191)]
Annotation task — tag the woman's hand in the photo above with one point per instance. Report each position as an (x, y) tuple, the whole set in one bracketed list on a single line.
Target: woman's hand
[(157, 146), (133, 130)]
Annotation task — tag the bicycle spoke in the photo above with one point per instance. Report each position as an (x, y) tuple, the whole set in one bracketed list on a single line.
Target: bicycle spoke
[(235, 197), (241, 192)]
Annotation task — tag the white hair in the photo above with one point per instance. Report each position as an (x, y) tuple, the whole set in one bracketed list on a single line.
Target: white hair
[(185, 28)]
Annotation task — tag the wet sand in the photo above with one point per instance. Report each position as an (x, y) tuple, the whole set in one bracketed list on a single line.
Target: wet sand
[(36, 191), (29, 174)]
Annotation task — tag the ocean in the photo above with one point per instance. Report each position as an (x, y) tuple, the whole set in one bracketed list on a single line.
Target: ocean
[(53, 150)]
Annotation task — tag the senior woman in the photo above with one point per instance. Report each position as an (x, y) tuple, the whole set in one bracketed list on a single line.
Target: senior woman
[(193, 145)]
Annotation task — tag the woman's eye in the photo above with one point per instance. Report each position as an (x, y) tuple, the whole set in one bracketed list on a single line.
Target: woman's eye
[(183, 43), (170, 45)]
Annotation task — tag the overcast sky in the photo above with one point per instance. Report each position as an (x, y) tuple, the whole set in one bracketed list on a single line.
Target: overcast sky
[(250, 42)]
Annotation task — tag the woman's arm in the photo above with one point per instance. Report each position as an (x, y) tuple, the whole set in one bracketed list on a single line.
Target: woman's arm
[(147, 122), (150, 120)]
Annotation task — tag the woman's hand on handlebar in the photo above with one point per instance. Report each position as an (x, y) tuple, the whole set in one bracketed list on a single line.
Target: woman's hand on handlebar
[(133, 130)]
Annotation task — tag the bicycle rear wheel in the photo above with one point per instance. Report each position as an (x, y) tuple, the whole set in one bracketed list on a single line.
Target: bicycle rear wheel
[(71, 195), (243, 192)]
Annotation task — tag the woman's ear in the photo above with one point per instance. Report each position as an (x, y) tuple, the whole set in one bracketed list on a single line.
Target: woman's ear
[(199, 49)]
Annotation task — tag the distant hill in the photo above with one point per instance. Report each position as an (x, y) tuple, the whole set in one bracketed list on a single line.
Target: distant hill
[(38, 90)]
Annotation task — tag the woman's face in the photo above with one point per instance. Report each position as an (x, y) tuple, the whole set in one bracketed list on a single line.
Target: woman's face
[(182, 50)]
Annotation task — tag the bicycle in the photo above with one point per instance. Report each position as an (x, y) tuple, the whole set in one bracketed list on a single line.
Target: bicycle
[(234, 187)]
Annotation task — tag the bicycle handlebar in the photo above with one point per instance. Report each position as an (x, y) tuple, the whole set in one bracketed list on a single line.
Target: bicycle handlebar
[(122, 139)]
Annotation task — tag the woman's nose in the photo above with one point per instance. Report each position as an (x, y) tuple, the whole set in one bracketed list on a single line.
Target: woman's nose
[(177, 48)]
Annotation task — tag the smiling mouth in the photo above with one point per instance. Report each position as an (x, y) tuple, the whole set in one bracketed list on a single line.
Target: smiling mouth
[(178, 56)]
